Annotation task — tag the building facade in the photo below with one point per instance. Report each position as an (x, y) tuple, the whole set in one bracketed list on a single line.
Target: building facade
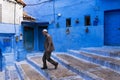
[(72, 24), (77, 24), (11, 15)]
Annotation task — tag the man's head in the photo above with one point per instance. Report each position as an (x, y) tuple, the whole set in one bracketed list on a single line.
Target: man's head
[(44, 31)]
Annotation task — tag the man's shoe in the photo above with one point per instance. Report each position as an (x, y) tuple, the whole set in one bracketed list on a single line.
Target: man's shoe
[(56, 65), (44, 68)]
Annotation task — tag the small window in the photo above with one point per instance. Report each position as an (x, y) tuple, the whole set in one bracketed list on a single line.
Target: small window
[(6, 42), (87, 20), (68, 22)]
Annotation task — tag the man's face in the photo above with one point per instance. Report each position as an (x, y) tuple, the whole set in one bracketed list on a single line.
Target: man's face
[(44, 33)]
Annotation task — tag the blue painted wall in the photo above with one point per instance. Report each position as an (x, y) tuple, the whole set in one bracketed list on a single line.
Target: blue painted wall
[(8, 32), (46, 11), (77, 37)]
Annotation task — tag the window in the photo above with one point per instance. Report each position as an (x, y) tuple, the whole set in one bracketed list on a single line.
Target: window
[(6, 42), (68, 22), (87, 20)]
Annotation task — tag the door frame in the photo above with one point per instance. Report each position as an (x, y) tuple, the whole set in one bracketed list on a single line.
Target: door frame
[(105, 26)]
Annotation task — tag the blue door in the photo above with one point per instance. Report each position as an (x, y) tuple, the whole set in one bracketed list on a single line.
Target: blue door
[(29, 38), (112, 28)]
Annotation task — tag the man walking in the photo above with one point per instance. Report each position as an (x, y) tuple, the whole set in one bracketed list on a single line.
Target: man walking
[(49, 47)]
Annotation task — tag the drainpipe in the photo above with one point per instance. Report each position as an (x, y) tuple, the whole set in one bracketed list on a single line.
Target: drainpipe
[(14, 48), (14, 16)]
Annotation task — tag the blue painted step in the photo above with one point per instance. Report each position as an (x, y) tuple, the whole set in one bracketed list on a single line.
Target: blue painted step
[(101, 60), (27, 72), (104, 52), (82, 73), (47, 76), (51, 73), (88, 71)]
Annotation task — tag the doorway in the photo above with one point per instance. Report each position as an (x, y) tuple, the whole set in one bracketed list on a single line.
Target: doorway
[(41, 38), (112, 28), (29, 38)]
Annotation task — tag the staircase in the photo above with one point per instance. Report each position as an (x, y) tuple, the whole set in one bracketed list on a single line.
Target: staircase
[(84, 64)]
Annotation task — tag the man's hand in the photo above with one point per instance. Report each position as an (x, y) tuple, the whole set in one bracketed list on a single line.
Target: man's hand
[(48, 50)]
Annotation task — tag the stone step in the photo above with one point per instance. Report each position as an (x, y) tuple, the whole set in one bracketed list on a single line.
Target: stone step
[(9, 59), (88, 70), (27, 72), (61, 73), (101, 60), (104, 51), (11, 73), (2, 75)]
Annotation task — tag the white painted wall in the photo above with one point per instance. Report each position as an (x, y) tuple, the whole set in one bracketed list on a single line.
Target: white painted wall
[(12, 12), (1, 1)]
